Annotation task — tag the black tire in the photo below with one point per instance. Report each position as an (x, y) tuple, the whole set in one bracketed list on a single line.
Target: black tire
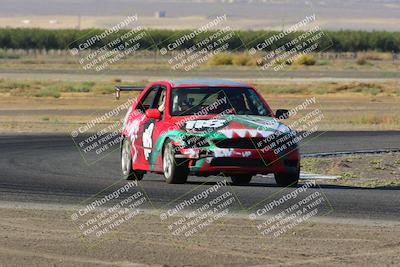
[(241, 179), (287, 179), (126, 162), (176, 171)]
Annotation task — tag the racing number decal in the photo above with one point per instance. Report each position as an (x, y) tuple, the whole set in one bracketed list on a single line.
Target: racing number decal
[(200, 125), (148, 140)]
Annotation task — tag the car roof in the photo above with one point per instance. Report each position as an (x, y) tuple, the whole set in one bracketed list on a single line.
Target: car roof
[(206, 83)]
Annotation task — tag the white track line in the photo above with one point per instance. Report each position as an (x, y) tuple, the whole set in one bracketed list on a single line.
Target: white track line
[(309, 176)]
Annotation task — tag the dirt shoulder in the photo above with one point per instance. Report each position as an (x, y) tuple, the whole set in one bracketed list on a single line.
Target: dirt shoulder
[(370, 170), (44, 237)]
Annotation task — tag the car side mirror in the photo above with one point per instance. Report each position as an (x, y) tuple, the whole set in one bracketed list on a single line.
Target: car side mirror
[(153, 113), (282, 114)]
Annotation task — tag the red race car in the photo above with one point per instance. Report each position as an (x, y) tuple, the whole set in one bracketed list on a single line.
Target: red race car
[(206, 127)]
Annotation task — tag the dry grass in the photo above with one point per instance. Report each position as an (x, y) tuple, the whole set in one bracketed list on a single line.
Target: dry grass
[(345, 105), (235, 59), (375, 55), (391, 88), (306, 60), (56, 89), (221, 59), (381, 170), (146, 60)]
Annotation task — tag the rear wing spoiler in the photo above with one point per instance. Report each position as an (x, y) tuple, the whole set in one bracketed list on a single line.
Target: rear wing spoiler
[(119, 89)]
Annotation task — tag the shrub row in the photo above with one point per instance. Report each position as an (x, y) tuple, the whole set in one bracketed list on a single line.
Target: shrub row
[(338, 41)]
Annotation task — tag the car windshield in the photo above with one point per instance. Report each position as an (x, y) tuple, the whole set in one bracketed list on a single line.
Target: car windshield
[(214, 100)]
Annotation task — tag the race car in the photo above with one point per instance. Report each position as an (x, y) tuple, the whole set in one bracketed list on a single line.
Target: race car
[(206, 127)]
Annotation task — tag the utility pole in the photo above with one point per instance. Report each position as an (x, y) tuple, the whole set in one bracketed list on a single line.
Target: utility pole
[(79, 22)]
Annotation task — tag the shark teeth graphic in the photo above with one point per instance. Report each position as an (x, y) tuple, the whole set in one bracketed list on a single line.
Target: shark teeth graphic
[(242, 133)]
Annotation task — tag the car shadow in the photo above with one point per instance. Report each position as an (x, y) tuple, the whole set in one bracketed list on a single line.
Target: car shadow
[(270, 183)]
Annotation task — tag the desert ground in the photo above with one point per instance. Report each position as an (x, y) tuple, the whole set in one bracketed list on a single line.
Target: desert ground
[(45, 236)]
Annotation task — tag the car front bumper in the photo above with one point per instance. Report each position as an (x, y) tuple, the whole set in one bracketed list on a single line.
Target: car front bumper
[(233, 160)]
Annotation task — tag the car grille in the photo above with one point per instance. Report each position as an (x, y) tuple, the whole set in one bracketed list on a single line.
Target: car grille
[(256, 142), (242, 143), (239, 162)]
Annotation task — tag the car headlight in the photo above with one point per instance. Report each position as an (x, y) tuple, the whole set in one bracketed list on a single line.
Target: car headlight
[(279, 139)]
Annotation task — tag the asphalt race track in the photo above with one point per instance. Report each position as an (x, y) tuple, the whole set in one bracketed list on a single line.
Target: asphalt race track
[(49, 169)]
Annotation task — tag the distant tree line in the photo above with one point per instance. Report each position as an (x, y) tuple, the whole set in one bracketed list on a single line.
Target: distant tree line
[(336, 41)]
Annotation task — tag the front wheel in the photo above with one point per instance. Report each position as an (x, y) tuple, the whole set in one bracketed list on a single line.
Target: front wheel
[(126, 162), (176, 171), (287, 179)]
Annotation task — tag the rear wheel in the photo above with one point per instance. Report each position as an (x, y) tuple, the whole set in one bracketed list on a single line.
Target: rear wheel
[(126, 162), (176, 171), (241, 179), (287, 179)]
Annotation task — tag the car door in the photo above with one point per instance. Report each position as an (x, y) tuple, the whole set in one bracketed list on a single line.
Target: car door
[(153, 99)]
